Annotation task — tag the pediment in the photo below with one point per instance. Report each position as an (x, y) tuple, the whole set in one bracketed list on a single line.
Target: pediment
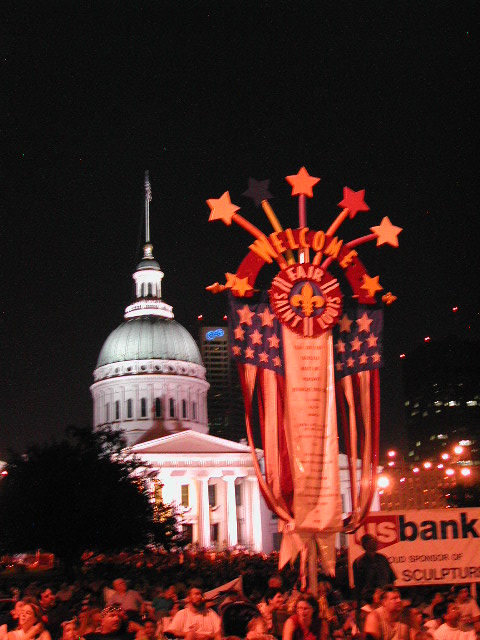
[(190, 442)]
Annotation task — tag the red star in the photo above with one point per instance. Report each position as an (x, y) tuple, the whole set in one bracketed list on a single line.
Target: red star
[(245, 315), (302, 183), (363, 359), (236, 350), (267, 318), (372, 340), (222, 209), (345, 323), (256, 337), (339, 366), (364, 323), (263, 357), (350, 362), (249, 353), (376, 357), (274, 342), (238, 333), (340, 346), (356, 344), (277, 362), (353, 201)]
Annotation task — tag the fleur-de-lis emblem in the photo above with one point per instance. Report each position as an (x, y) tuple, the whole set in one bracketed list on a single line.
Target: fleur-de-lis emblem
[(307, 301)]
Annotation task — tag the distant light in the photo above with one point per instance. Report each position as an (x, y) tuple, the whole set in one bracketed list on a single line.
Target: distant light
[(391, 463), (225, 317), (427, 465), (465, 471), (445, 456), (465, 443), (455, 309), (200, 317), (402, 355), (415, 470), (439, 466), (427, 339), (383, 482), (449, 472), (402, 479), (391, 453), (4, 472), (458, 449)]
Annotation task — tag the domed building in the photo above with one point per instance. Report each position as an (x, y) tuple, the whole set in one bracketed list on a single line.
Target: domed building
[(149, 378)]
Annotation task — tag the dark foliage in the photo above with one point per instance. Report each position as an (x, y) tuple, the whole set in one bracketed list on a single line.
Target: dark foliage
[(78, 494)]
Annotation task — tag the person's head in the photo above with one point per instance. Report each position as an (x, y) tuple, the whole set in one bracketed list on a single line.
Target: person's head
[(369, 543), (452, 615), (463, 594), (29, 616), (120, 585), (111, 619), (15, 612), (256, 627), (274, 598), (275, 582), (306, 610), (149, 628), (195, 597), (69, 630), (391, 601), (414, 618), (47, 598)]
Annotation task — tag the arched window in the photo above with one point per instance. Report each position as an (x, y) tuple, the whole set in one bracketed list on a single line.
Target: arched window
[(172, 407), (107, 412), (194, 410), (117, 409), (129, 408), (184, 408), (158, 407), (143, 407)]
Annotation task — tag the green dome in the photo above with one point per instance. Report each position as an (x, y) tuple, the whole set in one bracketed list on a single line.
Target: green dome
[(149, 337)]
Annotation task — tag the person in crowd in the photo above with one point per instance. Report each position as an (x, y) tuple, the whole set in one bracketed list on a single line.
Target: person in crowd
[(149, 631), (437, 598), (195, 621), (52, 612), (70, 630), (164, 599), (437, 617), (89, 620), (469, 610), (112, 625), (257, 629), (128, 599), (450, 629), (9, 621), (384, 623), (371, 569), (373, 600), (305, 624), (414, 619), (30, 624), (272, 608)]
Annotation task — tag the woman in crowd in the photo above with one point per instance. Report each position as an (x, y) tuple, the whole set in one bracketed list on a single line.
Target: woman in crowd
[(30, 625), (305, 624)]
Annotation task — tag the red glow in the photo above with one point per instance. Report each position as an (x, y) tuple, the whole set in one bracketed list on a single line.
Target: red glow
[(200, 317), (225, 317), (402, 355), (455, 309), (4, 473), (427, 339)]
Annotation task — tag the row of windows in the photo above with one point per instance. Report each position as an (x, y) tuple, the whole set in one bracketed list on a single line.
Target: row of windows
[(157, 409), (212, 495)]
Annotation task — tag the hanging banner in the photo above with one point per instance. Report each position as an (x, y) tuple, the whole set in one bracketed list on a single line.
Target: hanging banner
[(424, 547)]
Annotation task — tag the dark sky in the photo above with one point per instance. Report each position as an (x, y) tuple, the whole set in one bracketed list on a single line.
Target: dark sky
[(204, 95)]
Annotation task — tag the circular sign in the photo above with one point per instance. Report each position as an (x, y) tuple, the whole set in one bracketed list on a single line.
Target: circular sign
[(306, 299)]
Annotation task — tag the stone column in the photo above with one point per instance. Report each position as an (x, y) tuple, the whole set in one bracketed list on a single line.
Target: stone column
[(256, 526), (247, 510), (203, 512), (232, 533)]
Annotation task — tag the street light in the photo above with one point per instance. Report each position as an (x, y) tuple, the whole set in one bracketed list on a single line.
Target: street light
[(383, 482), (458, 449), (465, 471)]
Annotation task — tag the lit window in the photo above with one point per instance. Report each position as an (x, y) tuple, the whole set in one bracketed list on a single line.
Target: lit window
[(424, 414), (471, 403), (407, 403), (432, 437), (411, 453), (212, 495), (418, 443), (117, 409), (438, 403), (129, 408), (442, 436), (158, 407), (143, 407), (465, 443), (184, 408), (416, 405), (452, 403), (172, 407), (185, 500)]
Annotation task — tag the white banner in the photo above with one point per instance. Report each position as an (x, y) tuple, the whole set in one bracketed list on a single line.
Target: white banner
[(424, 547)]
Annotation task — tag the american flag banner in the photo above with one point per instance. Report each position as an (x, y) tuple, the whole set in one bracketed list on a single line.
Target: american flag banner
[(358, 358)]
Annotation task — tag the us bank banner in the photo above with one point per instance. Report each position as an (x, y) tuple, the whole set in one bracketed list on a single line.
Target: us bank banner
[(425, 547)]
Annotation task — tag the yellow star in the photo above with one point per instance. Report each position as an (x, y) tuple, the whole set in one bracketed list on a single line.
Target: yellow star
[(256, 337), (263, 357), (222, 209), (249, 353), (345, 323), (274, 342), (241, 285), (389, 298), (364, 323), (356, 344), (267, 318), (245, 315), (238, 333), (302, 183), (215, 288), (386, 232), (371, 285)]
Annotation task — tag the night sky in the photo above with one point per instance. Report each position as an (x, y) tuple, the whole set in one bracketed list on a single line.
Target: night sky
[(381, 96)]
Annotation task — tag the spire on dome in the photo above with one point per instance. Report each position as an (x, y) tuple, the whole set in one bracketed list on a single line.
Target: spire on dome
[(148, 199)]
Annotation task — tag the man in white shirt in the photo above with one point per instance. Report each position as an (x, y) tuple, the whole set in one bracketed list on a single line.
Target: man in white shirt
[(450, 630), (128, 599), (195, 622), (469, 611)]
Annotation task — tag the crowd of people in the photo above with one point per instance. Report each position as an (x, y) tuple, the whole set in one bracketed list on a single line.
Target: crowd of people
[(208, 596)]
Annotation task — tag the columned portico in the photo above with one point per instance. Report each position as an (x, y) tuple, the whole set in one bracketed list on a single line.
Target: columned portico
[(232, 531), (203, 512), (256, 524)]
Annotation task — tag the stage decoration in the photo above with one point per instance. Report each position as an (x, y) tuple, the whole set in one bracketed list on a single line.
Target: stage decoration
[(309, 349)]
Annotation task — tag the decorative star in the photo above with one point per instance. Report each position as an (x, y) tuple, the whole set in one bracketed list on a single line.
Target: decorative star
[(222, 209), (389, 298), (274, 342), (386, 232), (363, 359), (263, 357), (236, 350), (241, 286), (376, 357), (372, 341), (245, 315), (267, 317), (339, 366), (231, 280), (249, 353), (302, 183), (345, 323), (356, 344), (258, 191), (277, 362), (371, 285), (256, 337), (364, 323), (238, 333), (354, 201), (340, 346), (216, 287), (350, 362)]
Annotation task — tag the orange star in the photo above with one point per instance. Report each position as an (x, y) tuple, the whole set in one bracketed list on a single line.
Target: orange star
[(345, 323), (241, 285), (386, 232), (339, 366), (277, 362), (376, 357), (340, 346), (363, 359), (215, 288), (231, 279), (267, 318), (354, 201), (372, 341), (263, 357), (356, 344), (389, 298), (236, 350), (222, 209), (274, 342), (256, 337), (364, 323), (249, 353), (238, 333), (350, 362), (302, 183), (371, 285), (245, 315)]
